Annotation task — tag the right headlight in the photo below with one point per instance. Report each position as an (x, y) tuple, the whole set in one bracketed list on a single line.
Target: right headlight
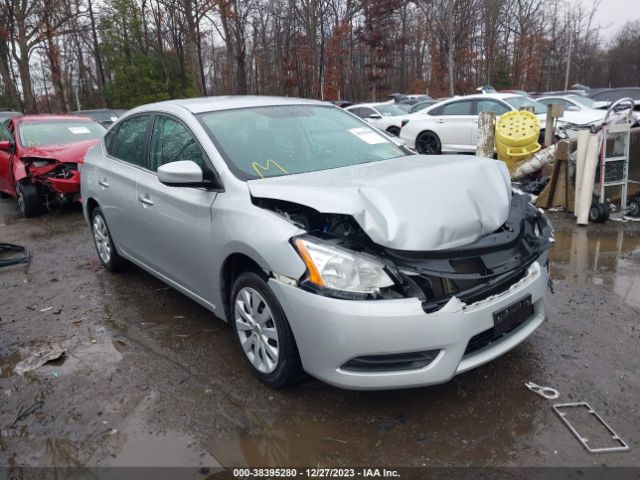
[(340, 269)]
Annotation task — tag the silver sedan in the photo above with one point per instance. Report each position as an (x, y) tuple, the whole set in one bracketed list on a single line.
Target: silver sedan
[(329, 247)]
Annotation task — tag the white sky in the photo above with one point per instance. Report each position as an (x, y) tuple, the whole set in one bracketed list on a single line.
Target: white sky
[(613, 14)]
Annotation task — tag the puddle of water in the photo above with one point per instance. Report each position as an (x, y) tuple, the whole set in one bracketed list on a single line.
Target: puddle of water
[(169, 449), (137, 446), (585, 256)]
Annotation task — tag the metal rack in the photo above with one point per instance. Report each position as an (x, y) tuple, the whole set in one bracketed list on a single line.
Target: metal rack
[(613, 167)]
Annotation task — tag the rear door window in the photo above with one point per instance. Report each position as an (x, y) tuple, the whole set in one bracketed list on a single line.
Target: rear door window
[(130, 140), (457, 108)]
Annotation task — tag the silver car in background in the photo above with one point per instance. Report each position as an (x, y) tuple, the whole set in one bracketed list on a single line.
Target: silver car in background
[(330, 249)]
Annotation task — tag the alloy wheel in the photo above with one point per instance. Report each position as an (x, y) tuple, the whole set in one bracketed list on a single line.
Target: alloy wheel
[(101, 238), (256, 330), (428, 144)]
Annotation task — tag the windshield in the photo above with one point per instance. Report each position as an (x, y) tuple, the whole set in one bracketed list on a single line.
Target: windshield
[(58, 132), (273, 141), (521, 102), (390, 110), (587, 102)]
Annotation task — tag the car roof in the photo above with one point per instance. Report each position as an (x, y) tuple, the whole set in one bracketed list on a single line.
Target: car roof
[(564, 95), (371, 104), (228, 102), (480, 96), (97, 110), (57, 118)]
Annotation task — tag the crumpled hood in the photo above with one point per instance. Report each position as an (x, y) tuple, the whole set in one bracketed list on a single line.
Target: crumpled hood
[(417, 202), (67, 153)]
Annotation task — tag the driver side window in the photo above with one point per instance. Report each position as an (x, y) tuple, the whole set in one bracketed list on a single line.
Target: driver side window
[(172, 142)]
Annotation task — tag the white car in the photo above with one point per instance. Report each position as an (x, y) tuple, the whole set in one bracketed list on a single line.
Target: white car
[(573, 104), (452, 125), (384, 116)]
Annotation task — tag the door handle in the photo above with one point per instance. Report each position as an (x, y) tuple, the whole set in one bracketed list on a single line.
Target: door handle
[(103, 183), (146, 200), (440, 120)]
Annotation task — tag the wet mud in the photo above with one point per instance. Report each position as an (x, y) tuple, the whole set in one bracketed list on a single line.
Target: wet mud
[(151, 378)]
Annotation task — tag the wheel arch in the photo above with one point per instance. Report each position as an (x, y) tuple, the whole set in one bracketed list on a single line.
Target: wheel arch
[(232, 266), (90, 205)]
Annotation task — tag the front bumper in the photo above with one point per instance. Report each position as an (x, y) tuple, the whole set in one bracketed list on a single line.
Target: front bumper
[(330, 331)]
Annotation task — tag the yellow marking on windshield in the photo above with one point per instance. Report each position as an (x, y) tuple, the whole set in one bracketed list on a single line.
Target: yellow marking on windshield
[(270, 163)]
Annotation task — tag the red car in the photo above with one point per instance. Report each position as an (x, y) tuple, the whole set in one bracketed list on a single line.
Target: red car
[(39, 157)]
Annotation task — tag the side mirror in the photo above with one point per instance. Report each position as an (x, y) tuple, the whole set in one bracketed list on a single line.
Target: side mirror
[(375, 116), (184, 173), (6, 146)]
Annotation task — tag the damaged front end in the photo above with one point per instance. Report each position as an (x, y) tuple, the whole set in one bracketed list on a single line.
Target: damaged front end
[(343, 262), (59, 181)]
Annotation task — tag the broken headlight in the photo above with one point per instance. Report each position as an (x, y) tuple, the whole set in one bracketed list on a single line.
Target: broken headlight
[(337, 268)]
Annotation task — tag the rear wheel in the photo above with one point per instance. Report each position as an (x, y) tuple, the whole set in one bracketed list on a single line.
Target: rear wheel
[(107, 252), (29, 199), (263, 332), (428, 143)]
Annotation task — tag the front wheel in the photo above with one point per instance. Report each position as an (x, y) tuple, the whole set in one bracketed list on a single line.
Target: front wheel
[(428, 143), (263, 332), (29, 199)]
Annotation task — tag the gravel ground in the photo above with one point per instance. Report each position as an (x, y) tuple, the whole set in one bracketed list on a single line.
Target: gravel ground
[(151, 378)]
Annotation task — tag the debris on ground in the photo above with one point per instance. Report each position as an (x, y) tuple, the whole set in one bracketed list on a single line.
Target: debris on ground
[(610, 439), (537, 162), (545, 392), (18, 254), (37, 358), (24, 413)]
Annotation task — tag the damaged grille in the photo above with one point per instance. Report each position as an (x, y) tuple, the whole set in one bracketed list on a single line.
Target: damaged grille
[(482, 269)]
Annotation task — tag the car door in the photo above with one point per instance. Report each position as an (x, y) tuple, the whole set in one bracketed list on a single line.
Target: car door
[(6, 178), (453, 123), (116, 178), (486, 105), (176, 222)]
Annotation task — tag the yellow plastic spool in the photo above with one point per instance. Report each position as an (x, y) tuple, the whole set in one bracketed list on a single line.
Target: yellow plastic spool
[(518, 129)]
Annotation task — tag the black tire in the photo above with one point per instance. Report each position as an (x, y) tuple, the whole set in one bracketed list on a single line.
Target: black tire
[(287, 369), (428, 143), (102, 240), (395, 131), (598, 213), (29, 199), (634, 208)]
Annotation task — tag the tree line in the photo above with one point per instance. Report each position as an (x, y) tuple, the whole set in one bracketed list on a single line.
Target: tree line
[(63, 55)]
